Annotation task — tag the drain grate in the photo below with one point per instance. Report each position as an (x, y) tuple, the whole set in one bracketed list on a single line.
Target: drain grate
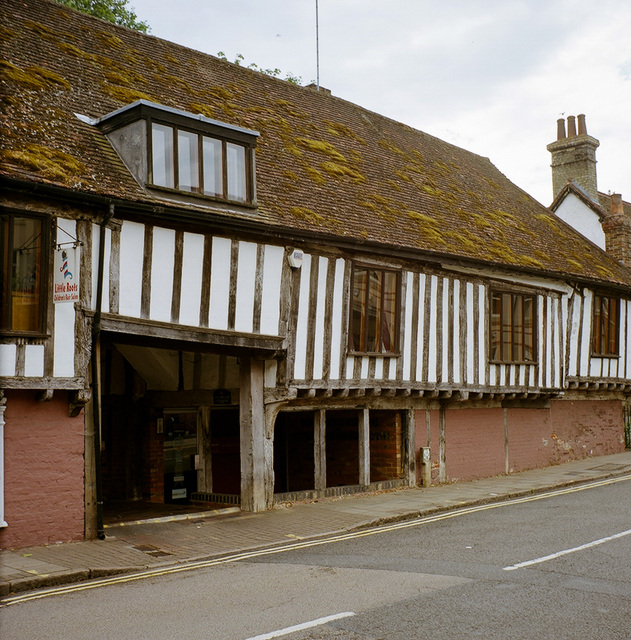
[(151, 550)]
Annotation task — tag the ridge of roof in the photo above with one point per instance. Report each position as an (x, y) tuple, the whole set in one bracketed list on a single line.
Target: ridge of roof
[(323, 164)]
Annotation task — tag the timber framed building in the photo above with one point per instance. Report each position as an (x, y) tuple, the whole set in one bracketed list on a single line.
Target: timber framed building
[(221, 288)]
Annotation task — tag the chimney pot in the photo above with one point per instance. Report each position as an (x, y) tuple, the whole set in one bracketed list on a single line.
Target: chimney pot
[(561, 129), (571, 127), (582, 127)]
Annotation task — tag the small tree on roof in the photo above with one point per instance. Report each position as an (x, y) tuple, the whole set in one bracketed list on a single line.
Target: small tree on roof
[(115, 11)]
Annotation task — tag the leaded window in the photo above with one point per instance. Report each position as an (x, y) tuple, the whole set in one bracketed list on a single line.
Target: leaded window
[(512, 327), (22, 278), (374, 310), (605, 327)]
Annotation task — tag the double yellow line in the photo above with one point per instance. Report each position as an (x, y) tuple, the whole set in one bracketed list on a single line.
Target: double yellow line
[(284, 548)]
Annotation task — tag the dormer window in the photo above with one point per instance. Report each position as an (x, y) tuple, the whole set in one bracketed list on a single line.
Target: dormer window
[(197, 163), (175, 151)]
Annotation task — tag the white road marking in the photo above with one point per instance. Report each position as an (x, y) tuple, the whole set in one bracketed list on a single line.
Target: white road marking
[(305, 625), (292, 546), (565, 552)]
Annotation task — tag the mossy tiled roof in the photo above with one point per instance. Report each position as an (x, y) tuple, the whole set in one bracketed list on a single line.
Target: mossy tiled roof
[(323, 164)]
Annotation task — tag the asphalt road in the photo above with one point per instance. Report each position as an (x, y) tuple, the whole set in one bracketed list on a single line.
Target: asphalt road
[(544, 567)]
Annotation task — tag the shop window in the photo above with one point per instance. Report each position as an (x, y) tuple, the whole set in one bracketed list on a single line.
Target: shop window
[(23, 240), (512, 327), (605, 326), (374, 310)]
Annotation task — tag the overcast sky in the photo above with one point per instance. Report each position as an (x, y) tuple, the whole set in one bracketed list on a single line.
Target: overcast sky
[(491, 76)]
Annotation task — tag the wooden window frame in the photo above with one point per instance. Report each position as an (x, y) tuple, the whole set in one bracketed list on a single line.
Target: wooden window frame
[(6, 291), (605, 342), (225, 140), (512, 349), (380, 350)]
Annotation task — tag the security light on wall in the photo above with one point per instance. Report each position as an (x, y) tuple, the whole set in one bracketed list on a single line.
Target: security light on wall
[(295, 258)]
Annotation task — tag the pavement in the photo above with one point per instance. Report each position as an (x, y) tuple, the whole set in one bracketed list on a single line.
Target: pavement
[(177, 540)]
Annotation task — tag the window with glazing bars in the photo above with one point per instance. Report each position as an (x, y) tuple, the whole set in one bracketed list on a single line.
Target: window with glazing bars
[(23, 243), (605, 326), (197, 163), (374, 310), (512, 327)]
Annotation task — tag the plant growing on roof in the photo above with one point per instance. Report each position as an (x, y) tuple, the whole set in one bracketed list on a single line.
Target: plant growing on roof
[(275, 73), (115, 11)]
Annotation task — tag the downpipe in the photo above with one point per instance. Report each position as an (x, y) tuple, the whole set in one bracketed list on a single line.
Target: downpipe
[(96, 376)]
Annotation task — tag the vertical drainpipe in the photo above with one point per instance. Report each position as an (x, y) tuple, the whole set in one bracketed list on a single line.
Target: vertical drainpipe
[(96, 387)]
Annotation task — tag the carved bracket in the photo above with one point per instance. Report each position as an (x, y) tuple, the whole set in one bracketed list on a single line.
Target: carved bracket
[(78, 400)]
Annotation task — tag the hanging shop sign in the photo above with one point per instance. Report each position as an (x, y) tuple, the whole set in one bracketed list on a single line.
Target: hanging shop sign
[(66, 280)]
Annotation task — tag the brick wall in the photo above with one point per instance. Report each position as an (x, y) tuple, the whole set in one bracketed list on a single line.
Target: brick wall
[(585, 428), (529, 439), (538, 437), (44, 469), (474, 443), (617, 228), (385, 446)]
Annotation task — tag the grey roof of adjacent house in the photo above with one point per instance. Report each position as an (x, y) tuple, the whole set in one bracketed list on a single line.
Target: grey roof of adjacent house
[(324, 166)]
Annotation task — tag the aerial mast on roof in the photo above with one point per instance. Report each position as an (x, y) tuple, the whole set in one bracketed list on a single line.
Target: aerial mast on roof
[(317, 51)]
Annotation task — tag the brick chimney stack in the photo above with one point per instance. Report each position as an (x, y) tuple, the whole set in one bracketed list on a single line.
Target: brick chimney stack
[(574, 157), (617, 228)]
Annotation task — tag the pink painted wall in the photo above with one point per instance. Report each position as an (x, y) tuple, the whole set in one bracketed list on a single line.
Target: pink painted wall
[(474, 443), (586, 428), (43, 486), (528, 434), (475, 438)]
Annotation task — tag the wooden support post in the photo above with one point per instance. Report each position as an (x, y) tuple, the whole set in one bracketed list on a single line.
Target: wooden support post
[(364, 447), (205, 467), (89, 492), (257, 459), (319, 442), (442, 464), (409, 461), (3, 403)]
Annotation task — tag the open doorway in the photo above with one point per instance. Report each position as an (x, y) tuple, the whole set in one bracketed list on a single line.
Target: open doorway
[(170, 430), (294, 466)]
